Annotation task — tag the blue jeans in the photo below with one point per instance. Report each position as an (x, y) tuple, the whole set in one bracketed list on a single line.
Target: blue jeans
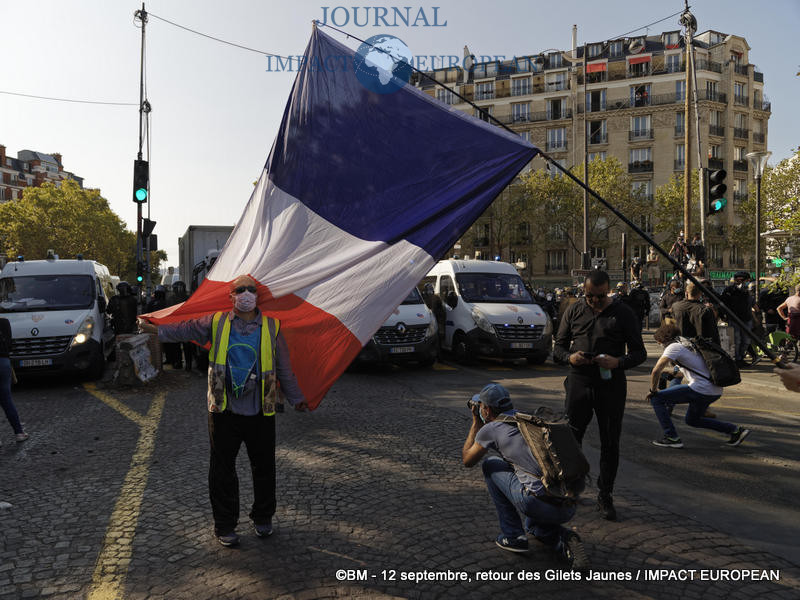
[(542, 519), (741, 340), (5, 395), (664, 400)]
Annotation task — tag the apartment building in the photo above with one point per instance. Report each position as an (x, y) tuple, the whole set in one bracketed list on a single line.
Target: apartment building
[(629, 100), (29, 169)]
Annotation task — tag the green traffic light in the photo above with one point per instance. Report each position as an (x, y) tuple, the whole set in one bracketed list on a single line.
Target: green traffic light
[(141, 194), (139, 278), (718, 204)]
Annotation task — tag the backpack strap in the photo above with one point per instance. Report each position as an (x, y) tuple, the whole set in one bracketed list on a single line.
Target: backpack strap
[(690, 345)]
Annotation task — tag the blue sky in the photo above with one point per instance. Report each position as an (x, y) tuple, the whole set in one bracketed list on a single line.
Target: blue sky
[(216, 109)]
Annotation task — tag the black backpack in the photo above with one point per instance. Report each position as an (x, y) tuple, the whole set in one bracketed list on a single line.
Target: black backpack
[(722, 369), (553, 445)]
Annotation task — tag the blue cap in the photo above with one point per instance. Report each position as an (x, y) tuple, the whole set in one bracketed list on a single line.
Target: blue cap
[(495, 396)]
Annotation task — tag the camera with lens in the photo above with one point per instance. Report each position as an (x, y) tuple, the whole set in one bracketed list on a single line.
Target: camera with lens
[(471, 403)]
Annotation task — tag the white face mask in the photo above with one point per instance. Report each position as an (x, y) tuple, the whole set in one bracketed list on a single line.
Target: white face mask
[(245, 302)]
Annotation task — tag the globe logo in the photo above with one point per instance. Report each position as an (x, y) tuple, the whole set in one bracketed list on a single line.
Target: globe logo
[(383, 64)]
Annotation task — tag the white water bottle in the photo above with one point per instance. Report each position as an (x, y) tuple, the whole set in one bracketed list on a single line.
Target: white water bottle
[(605, 374)]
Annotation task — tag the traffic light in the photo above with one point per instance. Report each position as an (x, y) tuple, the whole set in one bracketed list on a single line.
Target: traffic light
[(139, 272), (141, 180), (716, 191)]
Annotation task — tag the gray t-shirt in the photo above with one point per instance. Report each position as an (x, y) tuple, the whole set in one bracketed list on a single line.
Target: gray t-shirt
[(506, 440)]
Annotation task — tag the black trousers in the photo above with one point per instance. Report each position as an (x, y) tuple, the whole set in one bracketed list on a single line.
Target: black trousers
[(606, 399), (226, 432)]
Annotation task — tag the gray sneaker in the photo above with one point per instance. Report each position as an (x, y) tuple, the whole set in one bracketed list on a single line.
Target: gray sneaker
[(21, 437), (228, 539), (263, 529), (668, 442), (737, 437)]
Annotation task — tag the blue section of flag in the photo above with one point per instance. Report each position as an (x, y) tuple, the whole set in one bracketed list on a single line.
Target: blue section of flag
[(387, 167)]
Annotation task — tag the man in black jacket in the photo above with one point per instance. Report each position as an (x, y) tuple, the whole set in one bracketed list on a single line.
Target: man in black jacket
[(694, 318), (737, 299), (671, 295), (592, 337)]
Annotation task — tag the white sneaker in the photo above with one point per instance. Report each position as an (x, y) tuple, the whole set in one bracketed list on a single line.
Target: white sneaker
[(21, 437)]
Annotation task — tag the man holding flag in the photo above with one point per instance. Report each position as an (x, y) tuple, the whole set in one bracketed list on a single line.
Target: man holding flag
[(247, 360)]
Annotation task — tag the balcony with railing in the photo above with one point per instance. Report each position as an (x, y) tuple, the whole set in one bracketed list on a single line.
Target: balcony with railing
[(557, 145), (740, 133), (556, 86), (740, 100), (598, 137), (718, 130), (484, 95), (636, 135), (712, 96), (764, 105), (639, 70), (758, 138), (640, 166), (534, 117), (708, 65), (715, 163), (741, 69), (758, 76), (740, 165)]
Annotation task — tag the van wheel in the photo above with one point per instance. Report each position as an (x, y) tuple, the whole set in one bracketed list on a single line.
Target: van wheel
[(461, 349), (537, 359)]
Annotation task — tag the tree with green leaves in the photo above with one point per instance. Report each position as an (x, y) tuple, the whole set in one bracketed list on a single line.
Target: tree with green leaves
[(69, 220), (669, 207)]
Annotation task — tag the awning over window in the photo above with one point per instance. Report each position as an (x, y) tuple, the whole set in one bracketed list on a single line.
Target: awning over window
[(596, 67), (639, 59)]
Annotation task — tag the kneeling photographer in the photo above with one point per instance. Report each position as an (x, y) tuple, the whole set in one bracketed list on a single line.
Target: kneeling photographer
[(513, 478)]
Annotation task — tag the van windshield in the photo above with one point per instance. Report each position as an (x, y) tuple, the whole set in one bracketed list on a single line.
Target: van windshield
[(413, 297), (46, 292), (493, 287)]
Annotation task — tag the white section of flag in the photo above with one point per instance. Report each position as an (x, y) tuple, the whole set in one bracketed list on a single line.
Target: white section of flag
[(292, 250)]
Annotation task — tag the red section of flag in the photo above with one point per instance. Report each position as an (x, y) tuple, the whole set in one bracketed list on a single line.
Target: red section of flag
[(639, 59), (596, 67), (309, 332)]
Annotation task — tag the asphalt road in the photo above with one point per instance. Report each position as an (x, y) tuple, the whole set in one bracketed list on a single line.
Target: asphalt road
[(108, 498)]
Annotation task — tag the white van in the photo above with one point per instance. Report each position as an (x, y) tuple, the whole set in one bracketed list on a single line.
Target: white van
[(408, 335), (57, 311), (484, 309)]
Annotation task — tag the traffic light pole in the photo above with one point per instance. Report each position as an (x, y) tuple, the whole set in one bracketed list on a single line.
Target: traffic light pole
[(141, 15)]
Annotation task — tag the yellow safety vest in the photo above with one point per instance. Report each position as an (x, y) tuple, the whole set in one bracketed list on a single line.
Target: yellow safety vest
[(218, 356)]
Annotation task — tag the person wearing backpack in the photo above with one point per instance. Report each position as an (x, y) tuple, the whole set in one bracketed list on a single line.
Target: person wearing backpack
[(698, 392), (513, 477)]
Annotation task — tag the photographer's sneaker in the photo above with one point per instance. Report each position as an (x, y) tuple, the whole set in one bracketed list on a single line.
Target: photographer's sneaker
[(228, 539), (668, 442), (21, 437), (518, 544), (737, 437), (263, 529)]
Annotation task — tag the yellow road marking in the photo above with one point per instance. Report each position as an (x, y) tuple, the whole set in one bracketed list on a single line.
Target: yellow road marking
[(112, 563), (118, 406)]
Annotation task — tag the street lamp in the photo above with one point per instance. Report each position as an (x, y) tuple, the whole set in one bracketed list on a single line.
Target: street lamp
[(758, 160)]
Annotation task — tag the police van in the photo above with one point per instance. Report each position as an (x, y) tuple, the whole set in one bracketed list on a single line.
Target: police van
[(408, 335), (483, 308), (57, 312)]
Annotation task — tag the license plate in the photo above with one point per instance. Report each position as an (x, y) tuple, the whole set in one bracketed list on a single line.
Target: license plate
[(401, 350), (521, 345), (36, 362)]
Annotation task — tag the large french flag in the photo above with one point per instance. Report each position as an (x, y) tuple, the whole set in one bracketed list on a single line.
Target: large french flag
[(362, 193)]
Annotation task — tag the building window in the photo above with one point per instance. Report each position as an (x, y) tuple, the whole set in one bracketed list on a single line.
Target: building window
[(556, 109), (555, 60), (640, 127), (740, 153), (615, 49), (525, 135), (520, 86), (646, 223), (552, 171), (640, 95), (595, 50), (640, 69), (556, 261), (2, 195), (740, 94), (446, 96), (557, 232), (672, 39), (484, 91), (714, 151), (739, 190), (680, 156), (555, 82), (594, 155), (737, 260), (483, 114), (596, 130), (680, 117), (680, 90), (521, 111), (640, 161), (673, 63), (595, 101), (557, 139), (644, 189)]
